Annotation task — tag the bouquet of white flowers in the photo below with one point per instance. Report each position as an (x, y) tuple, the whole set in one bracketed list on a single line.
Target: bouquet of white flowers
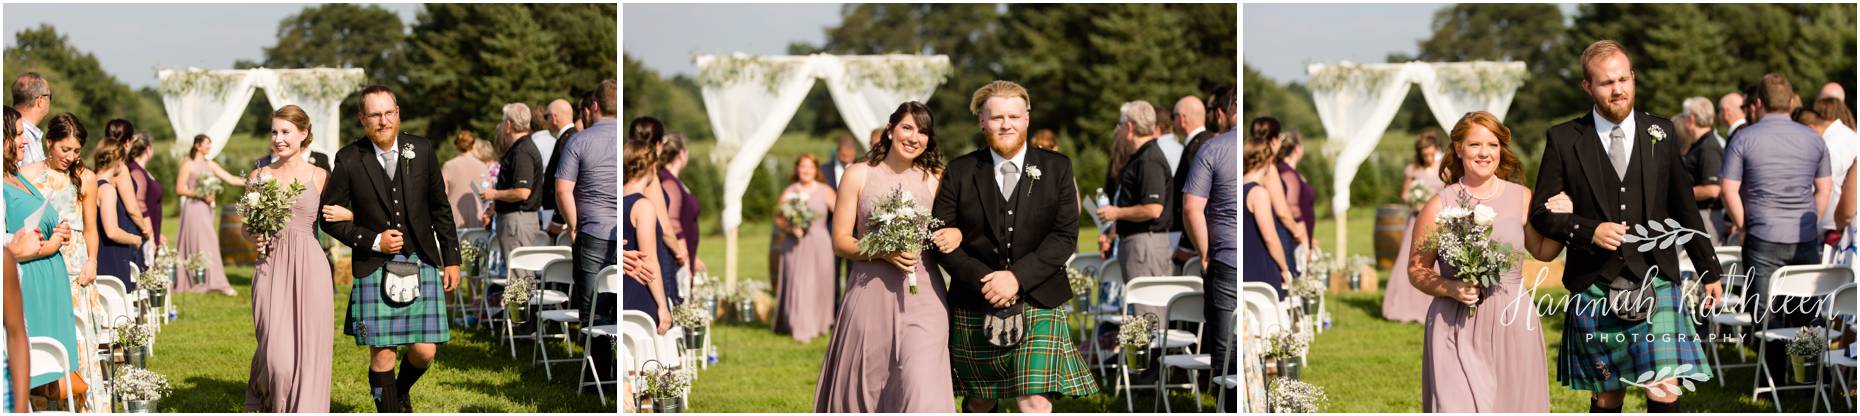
[(1416, 196), (469, 253), (521, 287), (1137, 331), (209, 187), (1462, 238), (795, 209), (1289, 344), (139, 384), (266, 206), (897, 226)]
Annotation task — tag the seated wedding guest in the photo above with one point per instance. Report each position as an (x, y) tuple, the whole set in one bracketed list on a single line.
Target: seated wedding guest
[(45, 286), (1777, 179), (465, 175), (804, 288), (199, 230), (1702, 159)]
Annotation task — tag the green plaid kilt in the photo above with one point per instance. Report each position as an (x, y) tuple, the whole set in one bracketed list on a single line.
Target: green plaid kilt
[(1044, 362), (375, 323), (1599, 350)]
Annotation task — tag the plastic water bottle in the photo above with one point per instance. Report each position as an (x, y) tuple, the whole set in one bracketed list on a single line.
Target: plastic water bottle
[(710, 354)]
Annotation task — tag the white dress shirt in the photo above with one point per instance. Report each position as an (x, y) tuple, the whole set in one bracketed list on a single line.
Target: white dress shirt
[(1603, 127), (1019, 160)]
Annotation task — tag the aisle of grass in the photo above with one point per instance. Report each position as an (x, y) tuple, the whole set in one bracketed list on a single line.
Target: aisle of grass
[(761, 371), (207, 356)]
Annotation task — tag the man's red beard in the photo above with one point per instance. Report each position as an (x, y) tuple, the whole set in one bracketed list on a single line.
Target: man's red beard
[(1614, 114), (1020, 142)]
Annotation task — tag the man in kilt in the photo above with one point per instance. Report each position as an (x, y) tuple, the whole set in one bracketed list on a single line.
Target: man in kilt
[(402, 236), (1626, 314), (1018, 212)]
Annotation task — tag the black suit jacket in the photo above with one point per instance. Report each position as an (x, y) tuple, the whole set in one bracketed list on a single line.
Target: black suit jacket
[(1180, 178), (1657, 189), (364, 188), (317, 159), (1032, 234), (548, 185)]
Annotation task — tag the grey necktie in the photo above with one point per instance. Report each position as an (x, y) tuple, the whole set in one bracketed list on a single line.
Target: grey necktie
[(1010, 175), (387, 162), (1617, 152)]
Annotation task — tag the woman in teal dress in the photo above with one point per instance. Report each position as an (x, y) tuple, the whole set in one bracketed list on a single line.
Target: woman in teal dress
[(42, 273)]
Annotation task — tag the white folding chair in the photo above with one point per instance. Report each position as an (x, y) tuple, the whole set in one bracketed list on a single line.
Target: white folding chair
[(1731, 311), (115, 308), (1804, 281), (1080, 307), (48, 356), (1154, 292), (1184, 307), (607, 282), (530, 260), (552, 308), (640, 345), (1837, 306), (1106, 307), (1192, 267), (462, 304), (1222, 381)]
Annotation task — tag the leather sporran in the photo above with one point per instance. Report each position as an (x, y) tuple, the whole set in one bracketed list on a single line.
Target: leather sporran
[(1006, 327)]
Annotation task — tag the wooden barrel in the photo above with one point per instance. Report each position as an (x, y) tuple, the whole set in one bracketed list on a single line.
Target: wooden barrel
[(235, 249), (1391, 222)]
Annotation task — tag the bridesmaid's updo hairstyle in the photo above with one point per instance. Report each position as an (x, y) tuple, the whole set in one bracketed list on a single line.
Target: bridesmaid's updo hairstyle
[(642, 143), (298, 118), (931, 161), (119, 131), (67, 127), (194, 150), (1509, 168)]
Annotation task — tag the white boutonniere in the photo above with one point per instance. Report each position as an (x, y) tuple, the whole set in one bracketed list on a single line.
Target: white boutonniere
[(406, 151), (1657, 133), (1033, 172)]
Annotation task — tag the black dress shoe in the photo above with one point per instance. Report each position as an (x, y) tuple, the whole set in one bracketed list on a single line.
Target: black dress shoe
[(967, 408)]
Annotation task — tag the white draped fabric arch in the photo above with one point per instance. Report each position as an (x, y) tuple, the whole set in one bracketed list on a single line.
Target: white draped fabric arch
[(211, 102), (750, 100), (1356, 103)]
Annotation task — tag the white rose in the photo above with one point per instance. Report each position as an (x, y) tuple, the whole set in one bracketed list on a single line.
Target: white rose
[(884, 218), (908, 196), (250, 198), (1484, 215), (907, 211)]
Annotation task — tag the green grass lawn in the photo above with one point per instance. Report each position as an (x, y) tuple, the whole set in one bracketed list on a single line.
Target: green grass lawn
[(761, 371), (1367, 364), (207, 356)]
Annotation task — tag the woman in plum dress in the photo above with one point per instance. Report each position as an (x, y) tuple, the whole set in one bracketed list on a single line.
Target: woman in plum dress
[(1492, 361), (806, 285), (293, 294)]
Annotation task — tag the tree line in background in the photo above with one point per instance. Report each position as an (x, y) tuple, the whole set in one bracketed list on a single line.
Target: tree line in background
[(1079, 62), (453, 69), (1679, 51)]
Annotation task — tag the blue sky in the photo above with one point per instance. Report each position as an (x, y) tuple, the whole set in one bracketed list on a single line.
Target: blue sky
[(132, 40), (664, 37), (1281, 39)]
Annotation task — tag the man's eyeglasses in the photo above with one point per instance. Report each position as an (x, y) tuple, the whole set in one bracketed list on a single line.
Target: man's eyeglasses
[(377, 116)]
